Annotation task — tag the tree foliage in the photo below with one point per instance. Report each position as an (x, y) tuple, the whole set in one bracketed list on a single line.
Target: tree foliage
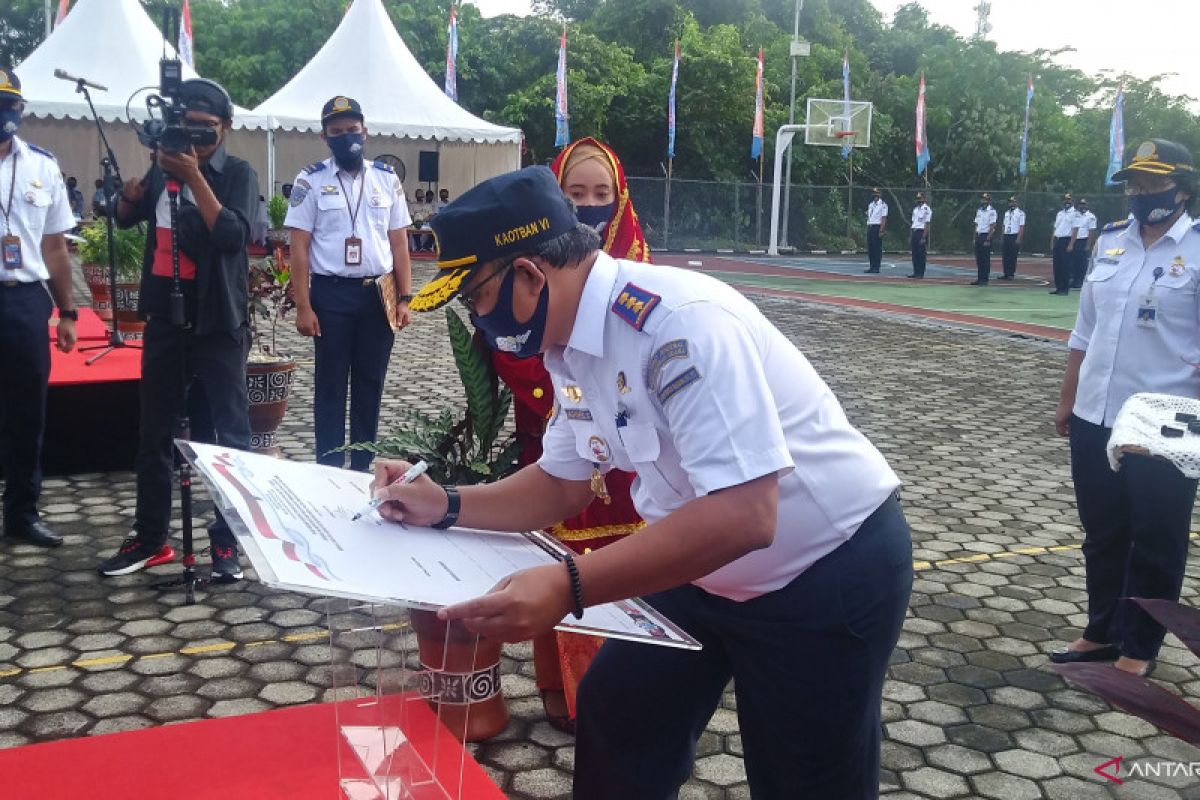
[(620, 64)]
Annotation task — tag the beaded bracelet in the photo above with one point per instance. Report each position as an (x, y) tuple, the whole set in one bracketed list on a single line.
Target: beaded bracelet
[(576, 586)]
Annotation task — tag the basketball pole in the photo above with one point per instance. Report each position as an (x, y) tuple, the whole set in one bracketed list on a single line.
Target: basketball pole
[(850, 193)]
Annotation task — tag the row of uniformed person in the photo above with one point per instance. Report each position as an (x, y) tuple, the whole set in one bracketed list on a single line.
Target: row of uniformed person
[(1071, 244)]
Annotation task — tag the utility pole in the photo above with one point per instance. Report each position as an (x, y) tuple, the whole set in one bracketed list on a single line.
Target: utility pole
[(799, 49), (982, 26)]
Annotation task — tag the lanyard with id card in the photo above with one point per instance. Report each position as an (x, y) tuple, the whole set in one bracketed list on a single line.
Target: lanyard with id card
[(1147, 313), (10, 244), (353, 246)]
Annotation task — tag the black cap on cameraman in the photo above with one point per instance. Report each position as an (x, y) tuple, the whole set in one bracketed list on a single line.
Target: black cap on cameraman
[(341, 106), (10, 84), (201, 94)]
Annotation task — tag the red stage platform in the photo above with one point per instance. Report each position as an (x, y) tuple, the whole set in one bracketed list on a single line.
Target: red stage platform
[(91, 410), (288, 754)]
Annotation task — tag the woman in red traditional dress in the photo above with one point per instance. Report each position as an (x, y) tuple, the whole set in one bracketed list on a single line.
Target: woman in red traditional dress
[(592, 176)]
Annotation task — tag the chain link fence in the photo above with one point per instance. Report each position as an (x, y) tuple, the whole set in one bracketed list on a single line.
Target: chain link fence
[(710, 215)]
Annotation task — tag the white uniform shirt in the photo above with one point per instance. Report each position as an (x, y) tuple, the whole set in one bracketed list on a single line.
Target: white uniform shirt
[(1122, 357), (1085, 223), (985, 218), (320, 206), (40, 207), (714, 396), (1014, 219), (1065, 221), (876, 212), (922, 215)]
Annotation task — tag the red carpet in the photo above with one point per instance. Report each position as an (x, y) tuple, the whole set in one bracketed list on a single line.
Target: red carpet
[(123, 364), (288, 754)]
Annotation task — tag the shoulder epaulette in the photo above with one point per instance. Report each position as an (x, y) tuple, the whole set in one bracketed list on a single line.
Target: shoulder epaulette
[(315, 167), (42, 151), (1196, 227), (634, 305), (1116, 226), (383, 165)]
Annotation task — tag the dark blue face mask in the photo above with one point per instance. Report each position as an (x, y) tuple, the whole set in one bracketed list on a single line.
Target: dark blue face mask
[(596, 217), (1151, 209), (10, 120), (501, 329), (347, 149)]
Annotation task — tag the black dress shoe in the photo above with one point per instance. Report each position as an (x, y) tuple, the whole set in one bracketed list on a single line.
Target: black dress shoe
[(870, 272), (38, 533), (978, 283), (1067, 656)]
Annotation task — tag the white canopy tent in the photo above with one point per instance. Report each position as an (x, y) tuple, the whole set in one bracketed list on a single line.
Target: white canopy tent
[(113, 43), (406, 112)]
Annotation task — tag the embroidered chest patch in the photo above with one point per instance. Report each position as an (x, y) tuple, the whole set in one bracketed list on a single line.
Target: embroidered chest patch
[(634, 305)]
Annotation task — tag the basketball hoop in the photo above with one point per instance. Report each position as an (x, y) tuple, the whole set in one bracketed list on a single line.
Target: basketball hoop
[(844, 134)]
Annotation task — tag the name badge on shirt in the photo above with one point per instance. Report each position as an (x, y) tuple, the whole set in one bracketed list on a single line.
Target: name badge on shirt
[(12, 252), (1147, 313), (353, 251)]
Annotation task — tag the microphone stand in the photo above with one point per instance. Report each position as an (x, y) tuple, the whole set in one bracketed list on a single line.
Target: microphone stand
[(189, 580), (111, 171)]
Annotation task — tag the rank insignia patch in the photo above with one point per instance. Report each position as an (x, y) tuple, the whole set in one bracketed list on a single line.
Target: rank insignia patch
[(634, 305)]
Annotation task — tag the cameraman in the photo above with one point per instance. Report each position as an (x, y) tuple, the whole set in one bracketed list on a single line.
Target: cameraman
[(217, 204)]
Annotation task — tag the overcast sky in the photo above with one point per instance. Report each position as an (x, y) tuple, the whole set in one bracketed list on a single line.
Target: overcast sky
[(1105, 33)]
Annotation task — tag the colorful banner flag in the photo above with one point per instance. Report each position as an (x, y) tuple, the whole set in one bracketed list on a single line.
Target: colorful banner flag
[(185, 36), (1116, 138), (756, 143), (671, 104), (562, 125), (1024, 165), (62, 12), (921, 139), (848, 141), (452, 56)]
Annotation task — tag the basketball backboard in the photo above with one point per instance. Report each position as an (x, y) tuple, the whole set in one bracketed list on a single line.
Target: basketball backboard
[(828, 118)]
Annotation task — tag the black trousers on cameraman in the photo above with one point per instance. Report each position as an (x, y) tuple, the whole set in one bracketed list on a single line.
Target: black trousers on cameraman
[(217, 361)]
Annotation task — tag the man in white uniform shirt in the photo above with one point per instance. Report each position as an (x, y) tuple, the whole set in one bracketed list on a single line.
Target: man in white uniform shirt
[(1082, 240), (918, 243), (985, 227), (348, 220), (877, 214), (1014, 232), (774, 535), (36, 213), (1065, 223)]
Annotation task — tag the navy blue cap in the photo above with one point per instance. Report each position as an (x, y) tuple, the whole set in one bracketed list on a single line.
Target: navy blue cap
[(503, 216), (341, 107), (10, 84)]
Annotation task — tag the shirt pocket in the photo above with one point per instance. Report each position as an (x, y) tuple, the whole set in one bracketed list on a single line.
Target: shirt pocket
[(1102, 272), (379, 210), (39, 198), (642, 446), (330, 203)]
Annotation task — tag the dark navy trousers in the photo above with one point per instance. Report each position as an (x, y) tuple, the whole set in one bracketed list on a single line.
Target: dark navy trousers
[(874, 247), (983, 258), (1079, 264), (1062, 264), (352, 354), (918, 244), (24, 375), (1011, 250), (1136, 523), (808, 661)]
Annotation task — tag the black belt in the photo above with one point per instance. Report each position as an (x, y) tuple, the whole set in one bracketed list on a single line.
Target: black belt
[(15, 284), (369, 280)]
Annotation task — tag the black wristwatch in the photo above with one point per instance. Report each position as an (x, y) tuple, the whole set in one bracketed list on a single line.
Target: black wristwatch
[(453, 504), (406, 298), (69, 313)]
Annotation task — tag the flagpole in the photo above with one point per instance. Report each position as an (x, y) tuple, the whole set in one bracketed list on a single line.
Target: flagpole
[(667, 205), (850, 195), (758, 237), (928, 197)]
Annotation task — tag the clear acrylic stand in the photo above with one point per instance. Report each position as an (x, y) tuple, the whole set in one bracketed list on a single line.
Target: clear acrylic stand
[(391, 745)]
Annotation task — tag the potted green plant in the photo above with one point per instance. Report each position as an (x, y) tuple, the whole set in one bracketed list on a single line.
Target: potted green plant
[(277, 234), (129, 245), (268, 371), (461, 447)]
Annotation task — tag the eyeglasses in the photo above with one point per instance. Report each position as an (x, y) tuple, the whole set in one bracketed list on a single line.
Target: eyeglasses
[(471, 298), (1148, 185)]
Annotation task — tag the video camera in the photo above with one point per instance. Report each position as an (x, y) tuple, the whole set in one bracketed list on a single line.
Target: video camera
[(170, 131)]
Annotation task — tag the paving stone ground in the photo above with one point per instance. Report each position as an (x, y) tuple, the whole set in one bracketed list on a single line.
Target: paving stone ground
[(969, 709)]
